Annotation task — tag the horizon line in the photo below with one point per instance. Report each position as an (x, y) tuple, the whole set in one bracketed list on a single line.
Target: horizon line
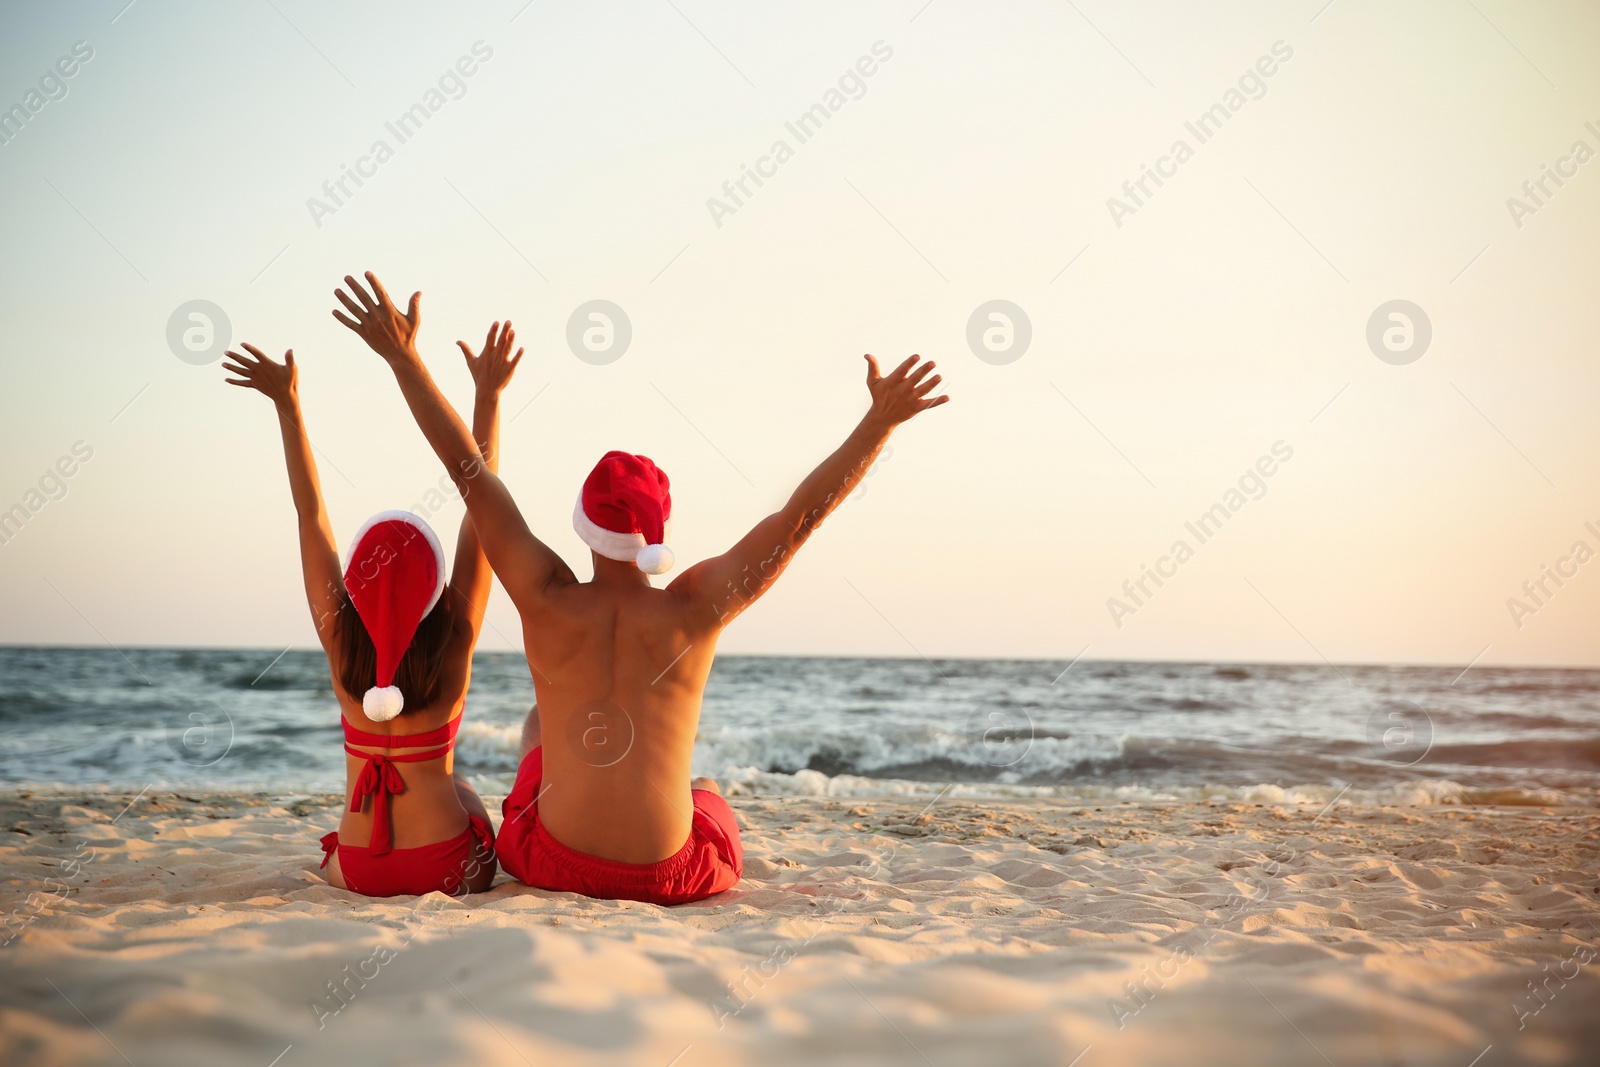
[(1409, 664)]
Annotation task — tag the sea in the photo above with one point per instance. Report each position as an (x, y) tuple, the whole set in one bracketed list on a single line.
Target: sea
[(78, 720)]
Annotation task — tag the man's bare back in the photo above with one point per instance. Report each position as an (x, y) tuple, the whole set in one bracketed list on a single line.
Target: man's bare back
[(620, 667)]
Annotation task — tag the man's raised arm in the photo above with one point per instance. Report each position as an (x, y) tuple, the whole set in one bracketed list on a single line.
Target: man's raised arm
[(727, 584), (525, 565)]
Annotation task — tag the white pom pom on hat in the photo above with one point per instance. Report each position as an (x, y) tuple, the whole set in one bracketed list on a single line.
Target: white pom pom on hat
[(383, 702), (625, 511), (655, 559)]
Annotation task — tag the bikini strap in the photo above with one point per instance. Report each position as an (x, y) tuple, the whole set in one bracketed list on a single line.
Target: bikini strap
[(444, 735), (330, 841)]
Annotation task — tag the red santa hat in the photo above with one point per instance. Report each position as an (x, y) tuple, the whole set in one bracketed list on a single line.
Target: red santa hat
[(394, 572), (625, 510)]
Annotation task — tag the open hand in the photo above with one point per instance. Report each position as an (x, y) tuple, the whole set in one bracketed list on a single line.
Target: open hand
[(493, 369), (377, 321), (903, 392), (278, 382)]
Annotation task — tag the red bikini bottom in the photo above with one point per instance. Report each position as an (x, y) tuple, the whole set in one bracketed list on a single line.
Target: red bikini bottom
[(711, 861), (441, 867)]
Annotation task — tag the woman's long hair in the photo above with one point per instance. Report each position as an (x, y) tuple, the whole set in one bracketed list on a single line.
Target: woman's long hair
[(417, 674)]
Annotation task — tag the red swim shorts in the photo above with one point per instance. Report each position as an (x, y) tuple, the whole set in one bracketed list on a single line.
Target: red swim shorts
[(711, 861)]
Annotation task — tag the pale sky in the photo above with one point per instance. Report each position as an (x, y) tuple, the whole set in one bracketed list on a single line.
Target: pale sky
[(1172, 346)]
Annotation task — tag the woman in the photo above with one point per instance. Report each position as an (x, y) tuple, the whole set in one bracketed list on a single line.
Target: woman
[(399, 642)]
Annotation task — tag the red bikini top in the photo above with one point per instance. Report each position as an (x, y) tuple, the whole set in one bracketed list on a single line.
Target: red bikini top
[(381, 780), (443, 738)]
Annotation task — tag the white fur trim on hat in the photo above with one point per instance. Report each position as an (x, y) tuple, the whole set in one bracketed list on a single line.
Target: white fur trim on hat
[(622, 547), (433, 542), (382, 703)]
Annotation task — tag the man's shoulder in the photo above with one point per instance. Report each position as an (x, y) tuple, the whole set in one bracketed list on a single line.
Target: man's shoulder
[(587, 603)]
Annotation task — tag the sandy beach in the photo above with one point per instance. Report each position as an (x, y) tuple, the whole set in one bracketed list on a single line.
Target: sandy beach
[(183, 929)]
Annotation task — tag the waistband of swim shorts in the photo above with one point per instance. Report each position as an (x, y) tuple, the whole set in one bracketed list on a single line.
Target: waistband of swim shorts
[(614, 872)]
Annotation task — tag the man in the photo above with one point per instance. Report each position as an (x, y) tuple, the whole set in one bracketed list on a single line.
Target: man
[(605, 805)]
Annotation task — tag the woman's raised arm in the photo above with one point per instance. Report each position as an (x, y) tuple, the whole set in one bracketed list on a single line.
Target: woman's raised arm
[(319, 557), (491, 372)]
